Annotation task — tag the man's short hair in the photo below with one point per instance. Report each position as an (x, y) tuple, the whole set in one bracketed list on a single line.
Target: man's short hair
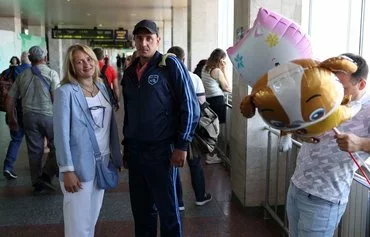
[(178, 51), (362, 67), (146, 25), (99, 53), (36, 54)]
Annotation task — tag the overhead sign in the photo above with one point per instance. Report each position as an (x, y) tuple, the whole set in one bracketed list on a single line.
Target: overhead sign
[(121, 34), (82, 34), (111, 44)]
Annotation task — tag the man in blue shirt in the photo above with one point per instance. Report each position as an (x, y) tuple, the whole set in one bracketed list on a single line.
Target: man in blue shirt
[(15, 135)]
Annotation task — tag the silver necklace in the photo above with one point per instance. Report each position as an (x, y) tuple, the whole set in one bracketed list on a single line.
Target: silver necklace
[(91, 92)]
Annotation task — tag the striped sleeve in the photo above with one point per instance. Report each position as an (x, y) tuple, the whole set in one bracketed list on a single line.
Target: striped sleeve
[(188, 102)]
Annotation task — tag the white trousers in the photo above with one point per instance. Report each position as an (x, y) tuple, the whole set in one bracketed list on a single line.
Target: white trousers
[(81, 209)]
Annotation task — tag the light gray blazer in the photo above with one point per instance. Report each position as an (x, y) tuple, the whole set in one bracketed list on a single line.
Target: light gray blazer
[(74, 150)]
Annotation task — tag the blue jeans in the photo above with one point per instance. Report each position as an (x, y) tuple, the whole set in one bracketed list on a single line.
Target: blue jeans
[(13, 148), (311, 216)]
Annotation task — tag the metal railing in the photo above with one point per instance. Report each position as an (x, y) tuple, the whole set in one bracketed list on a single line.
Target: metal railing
[(356, 219)]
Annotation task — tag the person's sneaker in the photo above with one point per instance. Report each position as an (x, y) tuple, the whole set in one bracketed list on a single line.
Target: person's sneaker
[(38, 189), (9, 174), (46, 182), (181, 208), (207, 198), (213, 159)]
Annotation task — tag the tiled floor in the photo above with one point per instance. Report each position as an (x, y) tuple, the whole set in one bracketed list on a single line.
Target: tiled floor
[(22, 214)]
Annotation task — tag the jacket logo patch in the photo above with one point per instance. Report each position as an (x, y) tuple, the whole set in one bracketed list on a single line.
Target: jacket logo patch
[(153, 79)]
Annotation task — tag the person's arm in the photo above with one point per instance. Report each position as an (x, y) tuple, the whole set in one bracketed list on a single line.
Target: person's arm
[(55, 83), (352, 143), (116, 91), (125, 151), (113, 74), (189, 107), (61, 127), (10, 111), (219, 75), (10, 106)]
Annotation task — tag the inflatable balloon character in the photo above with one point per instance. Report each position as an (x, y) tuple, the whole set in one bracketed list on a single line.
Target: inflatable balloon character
[(272, 40), (303, 97)]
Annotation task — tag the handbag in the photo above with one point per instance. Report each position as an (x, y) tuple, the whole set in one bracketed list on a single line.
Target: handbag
[(106, 175)]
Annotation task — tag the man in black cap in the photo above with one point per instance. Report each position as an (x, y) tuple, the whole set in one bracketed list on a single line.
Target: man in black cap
[(161, 114)]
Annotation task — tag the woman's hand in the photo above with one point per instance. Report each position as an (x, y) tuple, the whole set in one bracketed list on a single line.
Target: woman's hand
[(223, 65), (71, 183)]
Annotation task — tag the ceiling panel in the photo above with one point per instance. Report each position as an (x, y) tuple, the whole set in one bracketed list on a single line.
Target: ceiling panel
[(89, 13)]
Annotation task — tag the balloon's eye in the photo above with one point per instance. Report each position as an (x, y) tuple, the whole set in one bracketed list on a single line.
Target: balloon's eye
[(318, 113), (277, 64), (277, 124)]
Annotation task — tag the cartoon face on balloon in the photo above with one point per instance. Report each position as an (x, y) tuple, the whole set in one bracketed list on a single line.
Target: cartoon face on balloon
[(273, 40), (302, 96)]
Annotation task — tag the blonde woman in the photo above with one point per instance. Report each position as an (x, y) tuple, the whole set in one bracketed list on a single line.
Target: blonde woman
[(80, 102)]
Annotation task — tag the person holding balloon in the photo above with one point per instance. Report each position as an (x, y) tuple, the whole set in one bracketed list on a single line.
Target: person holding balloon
[(320, 186)]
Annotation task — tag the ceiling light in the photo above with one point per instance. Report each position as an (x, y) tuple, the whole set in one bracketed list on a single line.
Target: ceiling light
[(100, 25), (88, 14)]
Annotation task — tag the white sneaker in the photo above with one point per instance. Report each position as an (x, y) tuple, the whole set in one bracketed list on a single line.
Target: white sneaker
[(213, 159), (207, 198)]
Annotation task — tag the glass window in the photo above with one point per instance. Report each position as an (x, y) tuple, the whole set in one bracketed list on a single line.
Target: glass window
[(366, 42), (334, 27)]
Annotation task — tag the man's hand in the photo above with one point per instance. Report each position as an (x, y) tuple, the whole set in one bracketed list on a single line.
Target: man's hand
[(71, 183), (349, 142), (178, 158), (13, 125)]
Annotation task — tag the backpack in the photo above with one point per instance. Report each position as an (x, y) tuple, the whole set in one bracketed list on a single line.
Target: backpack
[(111, 95), (208, 127), (6, 82)]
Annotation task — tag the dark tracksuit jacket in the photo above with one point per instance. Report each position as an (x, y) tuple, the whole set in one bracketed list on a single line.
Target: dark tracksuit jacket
[(162, 105), (161, 111)]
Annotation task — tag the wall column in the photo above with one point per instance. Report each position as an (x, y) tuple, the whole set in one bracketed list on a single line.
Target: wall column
[(248, 140), (202, 30)]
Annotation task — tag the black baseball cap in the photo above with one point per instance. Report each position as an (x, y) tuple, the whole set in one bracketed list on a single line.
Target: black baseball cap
[(146, 24)]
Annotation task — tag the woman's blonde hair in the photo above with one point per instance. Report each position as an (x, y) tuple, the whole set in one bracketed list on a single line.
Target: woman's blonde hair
[(68, 68)]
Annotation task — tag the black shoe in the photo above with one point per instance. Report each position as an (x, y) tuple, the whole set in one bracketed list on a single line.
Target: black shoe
[(46, 182), (9, 174), (38, 189), (207, 198)]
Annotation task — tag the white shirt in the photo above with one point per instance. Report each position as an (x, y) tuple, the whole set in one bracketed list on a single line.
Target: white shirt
[(325, 171), (101, 112), (212, 85), (198, 87)]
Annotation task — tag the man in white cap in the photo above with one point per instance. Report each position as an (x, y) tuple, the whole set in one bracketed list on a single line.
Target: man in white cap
[(35, 86)]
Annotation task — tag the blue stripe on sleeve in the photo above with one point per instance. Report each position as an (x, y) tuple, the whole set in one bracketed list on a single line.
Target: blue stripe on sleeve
[(186, 135)]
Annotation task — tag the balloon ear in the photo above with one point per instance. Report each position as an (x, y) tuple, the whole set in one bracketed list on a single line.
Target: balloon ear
[(247, 107), (339, 64), (346, 99)]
